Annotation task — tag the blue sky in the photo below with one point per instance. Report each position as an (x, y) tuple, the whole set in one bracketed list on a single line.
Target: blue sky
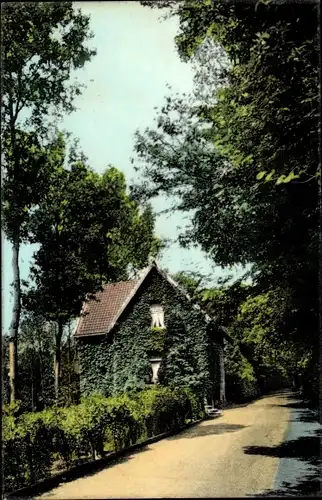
[(136, 59)]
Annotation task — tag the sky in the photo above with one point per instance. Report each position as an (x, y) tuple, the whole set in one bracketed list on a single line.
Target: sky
[(136, 58)]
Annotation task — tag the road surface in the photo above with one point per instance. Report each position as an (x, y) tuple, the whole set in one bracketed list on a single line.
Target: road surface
[(229, 456)]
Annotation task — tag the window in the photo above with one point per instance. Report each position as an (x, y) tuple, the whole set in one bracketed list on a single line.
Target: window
[(155, 364), (157, 314)]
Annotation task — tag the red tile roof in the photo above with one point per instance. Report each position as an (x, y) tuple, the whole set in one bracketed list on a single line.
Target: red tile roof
[(101, 314)]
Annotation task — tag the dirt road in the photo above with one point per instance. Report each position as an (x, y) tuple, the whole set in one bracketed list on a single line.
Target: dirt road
[(208, 460)]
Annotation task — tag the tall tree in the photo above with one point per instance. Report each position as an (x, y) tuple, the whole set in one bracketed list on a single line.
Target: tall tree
[(89, 232), (41, 44), (244, 158)]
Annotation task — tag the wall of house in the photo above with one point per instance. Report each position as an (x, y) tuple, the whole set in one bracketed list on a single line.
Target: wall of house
[(120, 361)]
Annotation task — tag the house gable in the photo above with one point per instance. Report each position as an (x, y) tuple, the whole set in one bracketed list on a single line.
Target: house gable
[(121, 360)]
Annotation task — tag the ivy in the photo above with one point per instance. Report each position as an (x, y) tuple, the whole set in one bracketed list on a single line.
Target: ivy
[(120, 362), (156, 341)]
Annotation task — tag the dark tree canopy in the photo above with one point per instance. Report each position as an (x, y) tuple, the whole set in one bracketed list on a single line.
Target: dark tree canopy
[(241, 153)]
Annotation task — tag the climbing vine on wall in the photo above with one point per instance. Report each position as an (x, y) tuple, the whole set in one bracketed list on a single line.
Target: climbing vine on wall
[(156, 341), (120, 361)]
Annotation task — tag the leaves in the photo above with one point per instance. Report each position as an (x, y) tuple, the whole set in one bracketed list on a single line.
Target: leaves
[(247, 175), (46, 41), (89, 231), (287, 178), (260, 175)]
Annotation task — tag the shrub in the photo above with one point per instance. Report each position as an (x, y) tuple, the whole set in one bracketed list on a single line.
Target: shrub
[(196, 403), (26, 458), (12, 409), (164, 408), (124, 421), (38, 440), (76, 426), (14, 453), (240, 390), (32, 442)]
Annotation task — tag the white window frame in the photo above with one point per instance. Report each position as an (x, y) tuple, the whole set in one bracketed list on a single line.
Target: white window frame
[(155, 365), (157, 314)]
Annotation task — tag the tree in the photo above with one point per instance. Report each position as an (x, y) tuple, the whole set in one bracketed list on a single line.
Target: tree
[(265, 43), (252, 340), (190, 282), (35, 352), (89, 231), (220, 153), (41, 44), (262, 346), (22, 188)]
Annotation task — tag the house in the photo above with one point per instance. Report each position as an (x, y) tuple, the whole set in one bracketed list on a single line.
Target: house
[(136, 333)]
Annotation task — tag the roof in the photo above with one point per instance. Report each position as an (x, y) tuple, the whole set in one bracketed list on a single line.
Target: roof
[(99, 316)]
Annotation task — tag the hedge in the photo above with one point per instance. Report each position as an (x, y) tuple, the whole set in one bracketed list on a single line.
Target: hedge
[(36, 444)]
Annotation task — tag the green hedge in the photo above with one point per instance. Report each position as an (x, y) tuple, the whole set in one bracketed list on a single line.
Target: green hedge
[(35, 444)]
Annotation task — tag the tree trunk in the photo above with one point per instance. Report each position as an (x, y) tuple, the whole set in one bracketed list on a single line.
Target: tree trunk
[(259, 378), (14, 327), (32, 389), (12, 369), (320, 287), (41, 373), (222, 382), (57, 359), (69, 367), (214, 357)]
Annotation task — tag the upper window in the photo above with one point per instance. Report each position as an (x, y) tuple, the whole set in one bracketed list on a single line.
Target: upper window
[(157, 314)]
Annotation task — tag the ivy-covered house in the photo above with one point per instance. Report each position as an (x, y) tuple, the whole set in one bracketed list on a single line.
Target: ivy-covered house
[(148, 331)]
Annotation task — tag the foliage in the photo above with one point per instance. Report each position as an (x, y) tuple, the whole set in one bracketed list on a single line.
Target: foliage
[(261, 351), (241, 153), (180, 362), (25, 185), (120, 361), (11, 409), (35, 353), (223, 301), (190, 282), (36, 442), (165, 410), (156, 341), (263, 329), (35, 368), (89, 231), (26, 458), (81, 227), (42, 43), (278, 114), (241, 381)]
